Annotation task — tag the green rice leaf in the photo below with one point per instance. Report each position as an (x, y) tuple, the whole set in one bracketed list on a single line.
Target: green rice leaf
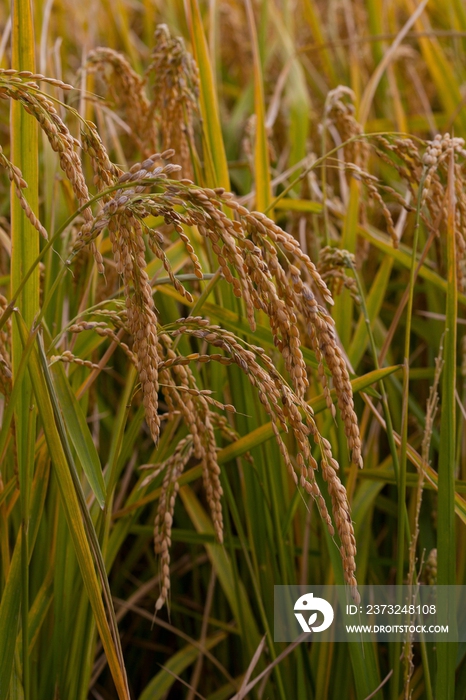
[(217, 167), (261, 149), (62, 461), (79, 433)]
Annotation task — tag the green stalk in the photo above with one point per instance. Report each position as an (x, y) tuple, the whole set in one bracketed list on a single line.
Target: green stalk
[(403, 532), (24, 250), (446, 540), (216, 162), (261, 150), (324, 183)]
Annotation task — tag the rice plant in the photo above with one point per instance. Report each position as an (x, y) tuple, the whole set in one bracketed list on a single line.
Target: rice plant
[(232, 271)]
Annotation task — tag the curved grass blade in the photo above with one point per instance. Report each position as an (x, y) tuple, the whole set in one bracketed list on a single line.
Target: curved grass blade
[(83, 533), (24, 250), (212, 130), (78, 432), (261, 149)]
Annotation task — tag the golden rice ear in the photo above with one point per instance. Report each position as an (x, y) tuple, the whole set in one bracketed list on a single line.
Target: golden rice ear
[(249, 251), (172, 469), (173, 81), (19, 86), (286, 411), (435, 161), (126, 95), (339, 114)]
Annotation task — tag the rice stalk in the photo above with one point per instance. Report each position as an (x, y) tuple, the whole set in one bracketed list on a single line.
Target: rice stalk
[(25, 247), (432, 408), (447, 454)]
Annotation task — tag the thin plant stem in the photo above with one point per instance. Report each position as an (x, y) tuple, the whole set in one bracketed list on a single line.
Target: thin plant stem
[(25, 248)]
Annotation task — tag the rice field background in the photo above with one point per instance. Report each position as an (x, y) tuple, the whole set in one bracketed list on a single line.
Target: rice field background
[(232, 356)]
